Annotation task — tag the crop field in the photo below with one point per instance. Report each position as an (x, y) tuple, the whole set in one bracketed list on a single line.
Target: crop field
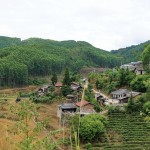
[(126, 132)]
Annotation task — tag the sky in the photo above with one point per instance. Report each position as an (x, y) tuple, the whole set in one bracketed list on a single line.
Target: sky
[(106, 24)]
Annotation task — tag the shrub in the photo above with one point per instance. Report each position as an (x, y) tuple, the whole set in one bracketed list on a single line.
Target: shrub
[(92, 127), (115, 109)]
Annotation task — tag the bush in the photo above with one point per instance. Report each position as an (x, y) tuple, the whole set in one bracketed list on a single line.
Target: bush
[(21, 94), (134, 106), (43, 99), (138, 84), (92, 127), (146, 108), (65, 90), (115, 109), (88, 146)]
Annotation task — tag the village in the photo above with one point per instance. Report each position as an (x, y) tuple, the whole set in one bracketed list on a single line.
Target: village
[(76, 103)]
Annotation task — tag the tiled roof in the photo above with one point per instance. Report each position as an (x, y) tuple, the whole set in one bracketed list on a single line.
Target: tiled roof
[(120, 91), (75, 83), (67, 106), (58, 84), (82, 103)]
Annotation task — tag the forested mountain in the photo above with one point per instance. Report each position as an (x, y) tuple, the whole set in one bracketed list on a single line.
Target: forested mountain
[(8, 41), (132, 53), (41, 57)]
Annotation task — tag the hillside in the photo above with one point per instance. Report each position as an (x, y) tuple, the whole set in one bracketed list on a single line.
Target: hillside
[(42, 57), (132, 53), (8, 41)]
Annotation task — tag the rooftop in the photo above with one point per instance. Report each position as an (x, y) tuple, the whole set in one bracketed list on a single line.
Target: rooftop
[(82, 103), (120, 91), (75, 83), (136, 63), (58, 84), (67, 106)]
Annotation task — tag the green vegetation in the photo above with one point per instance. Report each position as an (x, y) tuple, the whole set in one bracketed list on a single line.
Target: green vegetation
[(92, 127), (54, 79), (112, 79), (67, 80), (126, 131), (89, 96), (29, 128), (132, 53), (138, 83), (39, 57), (7, 42), (146, 58)]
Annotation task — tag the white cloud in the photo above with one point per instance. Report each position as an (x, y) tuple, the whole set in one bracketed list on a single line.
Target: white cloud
[(107, 24)]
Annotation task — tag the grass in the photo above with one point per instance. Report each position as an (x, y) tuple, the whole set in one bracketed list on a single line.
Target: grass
[(7, 120)]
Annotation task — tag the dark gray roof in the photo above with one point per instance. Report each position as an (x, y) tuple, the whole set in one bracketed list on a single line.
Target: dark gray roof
[(136, 63), (120, 91), (67, 106)]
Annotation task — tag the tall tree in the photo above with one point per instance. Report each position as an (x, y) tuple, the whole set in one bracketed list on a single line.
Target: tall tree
[(67, 80), (54, 79)]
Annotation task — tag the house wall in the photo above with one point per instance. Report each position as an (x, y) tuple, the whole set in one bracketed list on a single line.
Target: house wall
[(118, 95), (140, 72), (59, 112)]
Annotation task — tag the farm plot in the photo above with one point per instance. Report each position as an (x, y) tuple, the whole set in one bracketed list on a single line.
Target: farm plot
[(126, 132)]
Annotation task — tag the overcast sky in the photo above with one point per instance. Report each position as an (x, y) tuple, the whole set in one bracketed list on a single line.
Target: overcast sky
[(107, 24)]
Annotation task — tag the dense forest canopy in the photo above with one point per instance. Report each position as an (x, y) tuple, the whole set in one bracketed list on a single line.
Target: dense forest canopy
[(8, 41), (132, 53), (42, 57)]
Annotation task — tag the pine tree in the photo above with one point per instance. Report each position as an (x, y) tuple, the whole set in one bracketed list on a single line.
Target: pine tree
[(54, 79), (67, 80)]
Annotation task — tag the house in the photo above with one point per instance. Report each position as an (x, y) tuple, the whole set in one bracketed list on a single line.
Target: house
[(66, 108), (133, 94), (122, 95), (75, 86), (128, 66), (85, 107), (100, 98), (123, 99), (136, 67), (83, 80), (71, 98), (119, 93), (44, 89), (58, 85)]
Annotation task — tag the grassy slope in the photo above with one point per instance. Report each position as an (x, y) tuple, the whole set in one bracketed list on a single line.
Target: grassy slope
[(7, 119)]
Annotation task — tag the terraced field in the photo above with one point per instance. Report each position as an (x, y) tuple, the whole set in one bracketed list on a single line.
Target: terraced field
[(126, 132)]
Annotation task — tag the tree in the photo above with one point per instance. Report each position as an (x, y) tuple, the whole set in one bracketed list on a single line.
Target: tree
[(146, 58), (65, 90), (131, 106), (54, 79), (67, 80), (138, 83), (92, 127), (99, 84)]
